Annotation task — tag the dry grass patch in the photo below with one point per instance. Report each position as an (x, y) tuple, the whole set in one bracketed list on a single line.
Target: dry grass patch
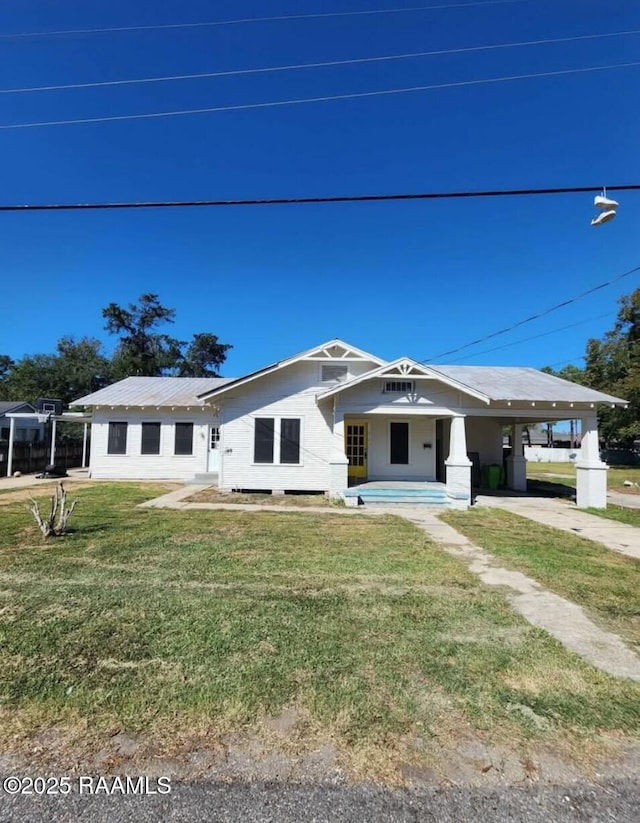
[(262, 499)]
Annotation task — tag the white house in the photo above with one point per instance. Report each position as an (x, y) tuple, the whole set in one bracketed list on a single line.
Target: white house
[(336, 416)]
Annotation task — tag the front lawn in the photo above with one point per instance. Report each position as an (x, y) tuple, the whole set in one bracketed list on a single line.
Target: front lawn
[(565, 473), (606, 583), (178, 625)]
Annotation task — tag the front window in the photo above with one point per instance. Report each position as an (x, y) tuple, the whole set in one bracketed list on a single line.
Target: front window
[(290, 440), (117, 443), (150, 438), (184, 438), (264, 439)]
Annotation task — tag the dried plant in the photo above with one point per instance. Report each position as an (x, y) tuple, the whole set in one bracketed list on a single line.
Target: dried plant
[(48, 525)]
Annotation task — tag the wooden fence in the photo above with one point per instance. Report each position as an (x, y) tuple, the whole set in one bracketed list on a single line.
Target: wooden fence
[(33, 457)]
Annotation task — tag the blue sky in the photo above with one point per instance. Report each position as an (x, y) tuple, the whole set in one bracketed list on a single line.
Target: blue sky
[(415, 278)]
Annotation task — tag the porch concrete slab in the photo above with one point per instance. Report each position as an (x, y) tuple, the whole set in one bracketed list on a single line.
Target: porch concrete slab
[(562, 619), (619, 537)]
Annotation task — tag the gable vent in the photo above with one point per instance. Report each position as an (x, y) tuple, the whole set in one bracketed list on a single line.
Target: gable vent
[(334, 374)]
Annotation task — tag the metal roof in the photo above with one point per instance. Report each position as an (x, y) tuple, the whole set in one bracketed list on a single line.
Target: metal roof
[(153, 391), (517, 383), (12, 405)]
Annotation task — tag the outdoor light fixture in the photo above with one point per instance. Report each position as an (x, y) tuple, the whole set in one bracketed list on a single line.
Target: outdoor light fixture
[(607, 208)]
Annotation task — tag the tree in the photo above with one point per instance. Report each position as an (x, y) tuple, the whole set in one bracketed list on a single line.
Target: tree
[(145, 351), (6, 365), (613, 366), (77, 368), (203, 356), (572, 373), (142, 350)]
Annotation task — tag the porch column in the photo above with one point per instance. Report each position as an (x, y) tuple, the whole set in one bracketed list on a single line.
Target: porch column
[(84, 446), (458, 465), (12, 429), (591, 472), (337, 460), (517, 463), (53, 441)]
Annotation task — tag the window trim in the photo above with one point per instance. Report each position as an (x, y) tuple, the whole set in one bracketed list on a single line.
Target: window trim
[(177, 423), (157, 423), (407, 423), (124, 423), (277, 429)]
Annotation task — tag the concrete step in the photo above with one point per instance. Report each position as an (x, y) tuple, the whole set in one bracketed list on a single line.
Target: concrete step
[(426, 496), (205, 478)]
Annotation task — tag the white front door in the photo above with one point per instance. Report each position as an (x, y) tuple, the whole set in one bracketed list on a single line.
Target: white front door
[(213, 463)]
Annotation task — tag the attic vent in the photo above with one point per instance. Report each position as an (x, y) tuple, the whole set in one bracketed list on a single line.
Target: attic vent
[(334, 374)]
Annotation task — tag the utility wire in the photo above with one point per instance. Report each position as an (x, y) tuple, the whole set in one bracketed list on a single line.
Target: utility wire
[(297, 201), (535, 336), (323, 99), (534, 316), (243, 20), (326, 64)]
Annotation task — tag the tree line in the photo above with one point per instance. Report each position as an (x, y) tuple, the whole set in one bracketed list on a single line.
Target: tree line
[(612, 365), (79, 367)]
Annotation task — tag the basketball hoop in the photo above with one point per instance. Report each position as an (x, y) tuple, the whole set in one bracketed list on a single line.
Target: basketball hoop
[(43, 418)]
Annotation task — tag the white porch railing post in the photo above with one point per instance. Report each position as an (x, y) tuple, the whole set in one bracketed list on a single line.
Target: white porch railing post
[(84, 446), (458, 465), (12, 429), (517, 462), (53, 442), (591, 472)]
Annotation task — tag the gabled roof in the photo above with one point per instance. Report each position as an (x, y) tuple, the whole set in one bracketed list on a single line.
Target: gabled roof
[(517, 383), (403, 368), (153, 391), (7, 406), (333, 351)]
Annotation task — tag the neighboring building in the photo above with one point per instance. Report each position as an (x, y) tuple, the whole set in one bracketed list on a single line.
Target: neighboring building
[(26, 431), (334, 416)]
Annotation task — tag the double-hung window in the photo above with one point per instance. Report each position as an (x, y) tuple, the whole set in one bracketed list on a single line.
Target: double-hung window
[(150, 443), (184, 438), (117, 442), (277, 440)]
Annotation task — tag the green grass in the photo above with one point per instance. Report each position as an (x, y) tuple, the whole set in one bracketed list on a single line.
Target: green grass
[(264, 499), (166, 622), (619, 513), (607, 584), (616, 475)]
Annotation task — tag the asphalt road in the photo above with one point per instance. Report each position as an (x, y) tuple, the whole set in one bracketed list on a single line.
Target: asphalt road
[(259, 803)]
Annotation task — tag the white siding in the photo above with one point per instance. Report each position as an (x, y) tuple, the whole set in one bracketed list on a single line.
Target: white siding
[(134, 465), (292, 394), (421, 464), (429, 396)]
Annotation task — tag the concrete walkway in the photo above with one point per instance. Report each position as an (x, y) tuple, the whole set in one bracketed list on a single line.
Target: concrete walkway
[(562, 619), (619, 537)]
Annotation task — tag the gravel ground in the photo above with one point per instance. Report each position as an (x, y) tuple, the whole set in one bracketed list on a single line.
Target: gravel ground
[(260, 803)]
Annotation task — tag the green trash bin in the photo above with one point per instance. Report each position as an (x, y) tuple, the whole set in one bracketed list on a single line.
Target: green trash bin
[(493, 476)]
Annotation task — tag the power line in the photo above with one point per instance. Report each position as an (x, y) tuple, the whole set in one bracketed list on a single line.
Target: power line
[(534, 316), (536, 336), (243, 20), (298, 201), (323, 99), (565, 362), (325, 64)]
